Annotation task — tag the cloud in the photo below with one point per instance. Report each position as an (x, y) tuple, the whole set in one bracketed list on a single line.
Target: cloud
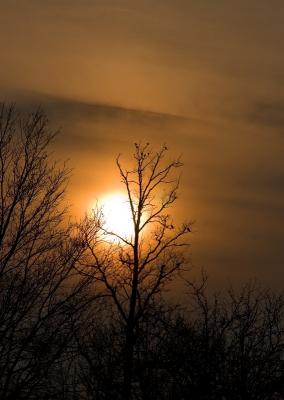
[(268, 113), (95, 111), (93, 126)]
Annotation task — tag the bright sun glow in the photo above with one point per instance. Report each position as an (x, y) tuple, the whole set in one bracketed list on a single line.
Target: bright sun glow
[(117, 214)]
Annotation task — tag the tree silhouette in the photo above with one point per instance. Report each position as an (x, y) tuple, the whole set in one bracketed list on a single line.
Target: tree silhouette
[(82, 311), (230, 345), (134, 270), (39, 290)]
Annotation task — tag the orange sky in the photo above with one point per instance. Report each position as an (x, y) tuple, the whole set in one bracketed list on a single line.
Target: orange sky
[(206, 77)]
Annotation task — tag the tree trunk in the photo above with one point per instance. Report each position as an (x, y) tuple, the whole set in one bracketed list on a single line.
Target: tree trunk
[(130, 327), (128, 365)]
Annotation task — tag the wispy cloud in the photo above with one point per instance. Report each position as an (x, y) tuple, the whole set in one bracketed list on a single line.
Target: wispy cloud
[(268, 113)]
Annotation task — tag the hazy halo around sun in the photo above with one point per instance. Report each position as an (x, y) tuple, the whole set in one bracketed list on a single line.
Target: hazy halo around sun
[(117, 214)]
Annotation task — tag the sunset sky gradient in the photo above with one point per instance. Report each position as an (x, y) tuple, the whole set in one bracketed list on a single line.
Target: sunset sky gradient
[(204, 77)]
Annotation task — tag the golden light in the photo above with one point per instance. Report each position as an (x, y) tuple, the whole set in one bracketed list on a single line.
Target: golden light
[(117, 214)]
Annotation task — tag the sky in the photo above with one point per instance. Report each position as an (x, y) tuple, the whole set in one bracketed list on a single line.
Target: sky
[(205, 77)]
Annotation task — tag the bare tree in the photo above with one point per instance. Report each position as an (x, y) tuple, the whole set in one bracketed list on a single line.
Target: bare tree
[(98, 354), (237, 348), (135, 269), (39, 287)]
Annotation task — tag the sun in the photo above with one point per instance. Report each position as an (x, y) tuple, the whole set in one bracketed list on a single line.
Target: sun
[(117, 214)]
